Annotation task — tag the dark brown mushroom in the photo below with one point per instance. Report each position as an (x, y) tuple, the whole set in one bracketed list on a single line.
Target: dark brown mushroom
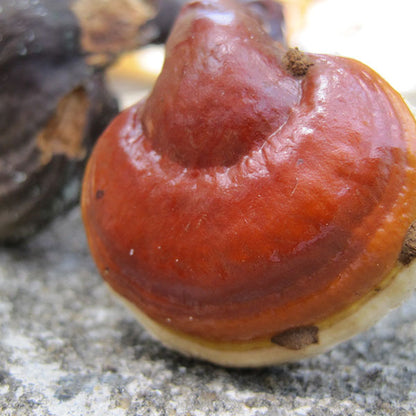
[(54, 101)]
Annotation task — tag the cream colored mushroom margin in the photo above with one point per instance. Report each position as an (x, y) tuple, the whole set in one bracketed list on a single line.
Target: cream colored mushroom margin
[(359, 317)]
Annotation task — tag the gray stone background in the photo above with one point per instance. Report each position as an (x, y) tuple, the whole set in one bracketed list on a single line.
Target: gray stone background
[(68, 348)]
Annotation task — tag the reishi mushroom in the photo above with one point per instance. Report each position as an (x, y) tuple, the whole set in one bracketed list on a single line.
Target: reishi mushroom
[(257, 207)]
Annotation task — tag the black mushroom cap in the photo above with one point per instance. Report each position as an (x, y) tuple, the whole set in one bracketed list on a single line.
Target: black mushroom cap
[(54, 101)]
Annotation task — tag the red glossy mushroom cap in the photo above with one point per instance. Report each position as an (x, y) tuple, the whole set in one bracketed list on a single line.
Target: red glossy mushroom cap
[(258, 193)]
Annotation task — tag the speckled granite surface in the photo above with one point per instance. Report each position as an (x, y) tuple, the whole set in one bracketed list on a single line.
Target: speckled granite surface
[(68, 348)]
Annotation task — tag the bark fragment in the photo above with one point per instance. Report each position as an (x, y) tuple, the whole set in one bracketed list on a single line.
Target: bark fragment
[(297, 338)]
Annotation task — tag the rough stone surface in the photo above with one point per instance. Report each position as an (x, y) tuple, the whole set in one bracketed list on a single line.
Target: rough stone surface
[(68, 348)]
